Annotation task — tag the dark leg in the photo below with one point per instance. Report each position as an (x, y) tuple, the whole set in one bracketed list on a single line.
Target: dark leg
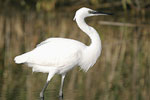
[(50, 75), (61, 86), (42, 92)]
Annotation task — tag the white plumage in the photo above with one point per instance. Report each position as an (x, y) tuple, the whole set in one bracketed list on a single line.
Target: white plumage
[(59, 55)]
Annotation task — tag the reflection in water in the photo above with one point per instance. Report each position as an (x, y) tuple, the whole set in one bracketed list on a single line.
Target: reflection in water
[(121, 73)]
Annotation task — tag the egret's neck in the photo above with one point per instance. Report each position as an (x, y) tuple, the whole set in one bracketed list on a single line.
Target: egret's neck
[(90, 31), (92, 52)]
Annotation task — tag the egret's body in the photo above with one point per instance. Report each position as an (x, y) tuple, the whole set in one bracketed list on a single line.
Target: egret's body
[(54, 54), (59, 55)]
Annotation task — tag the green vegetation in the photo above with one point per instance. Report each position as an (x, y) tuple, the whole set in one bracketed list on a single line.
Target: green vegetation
[(48, 5)]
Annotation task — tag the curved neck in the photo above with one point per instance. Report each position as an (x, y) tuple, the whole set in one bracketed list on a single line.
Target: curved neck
[(90, 31), (92, 52)]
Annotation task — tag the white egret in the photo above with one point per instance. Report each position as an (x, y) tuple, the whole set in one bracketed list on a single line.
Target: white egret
[(59, 55)]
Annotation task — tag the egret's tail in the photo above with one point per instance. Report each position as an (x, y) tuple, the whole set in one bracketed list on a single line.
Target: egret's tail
[(21, 59)]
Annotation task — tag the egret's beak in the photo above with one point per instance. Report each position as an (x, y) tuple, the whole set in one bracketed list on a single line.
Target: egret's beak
[(99, 13)]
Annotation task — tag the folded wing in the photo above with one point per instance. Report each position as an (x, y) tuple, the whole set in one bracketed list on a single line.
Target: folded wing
[(53, 52)]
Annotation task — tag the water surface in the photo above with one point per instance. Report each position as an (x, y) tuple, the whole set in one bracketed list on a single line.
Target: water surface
[(121, 73)]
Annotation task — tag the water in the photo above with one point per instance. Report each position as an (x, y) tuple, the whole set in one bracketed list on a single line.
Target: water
[(121, 73)]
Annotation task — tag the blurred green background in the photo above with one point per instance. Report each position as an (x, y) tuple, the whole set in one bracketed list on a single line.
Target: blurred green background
[(49, 5), (121, 73)]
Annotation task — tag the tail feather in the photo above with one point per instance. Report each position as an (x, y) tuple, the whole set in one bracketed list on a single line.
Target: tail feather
[(20, 59)]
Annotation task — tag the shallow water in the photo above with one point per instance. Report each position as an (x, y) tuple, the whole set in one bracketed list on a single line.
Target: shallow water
[(121, 73)]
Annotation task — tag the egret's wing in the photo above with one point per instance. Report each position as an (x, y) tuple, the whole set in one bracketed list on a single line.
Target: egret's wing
[(56, 52)]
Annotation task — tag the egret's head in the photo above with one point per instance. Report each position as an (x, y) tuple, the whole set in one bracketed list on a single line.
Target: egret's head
[(86, 12)]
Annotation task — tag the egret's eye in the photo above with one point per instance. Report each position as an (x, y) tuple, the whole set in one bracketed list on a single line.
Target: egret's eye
[(90, 12)]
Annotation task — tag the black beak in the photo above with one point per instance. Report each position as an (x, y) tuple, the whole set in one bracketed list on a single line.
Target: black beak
[(99, 12)]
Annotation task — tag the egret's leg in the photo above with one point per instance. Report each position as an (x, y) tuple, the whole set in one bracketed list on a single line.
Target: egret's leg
[(50, 75), (61, 86)]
